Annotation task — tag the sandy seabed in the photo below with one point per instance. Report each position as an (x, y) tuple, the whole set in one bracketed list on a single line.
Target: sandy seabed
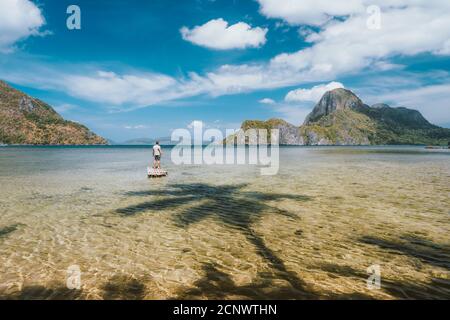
[(225, 232)]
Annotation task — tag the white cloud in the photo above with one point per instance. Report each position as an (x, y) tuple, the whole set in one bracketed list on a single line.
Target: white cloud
[(337, 48), (314, 94), (267, 101), (295, 115), (136, 127), (445, 50), (386, 66), (109, 87), (217, 34), (312, 12), (233, 79), (62, 108), (19, 19), (348, 46), (345, 46)]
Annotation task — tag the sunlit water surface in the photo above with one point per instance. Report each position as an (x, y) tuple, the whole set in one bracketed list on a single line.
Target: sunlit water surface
[(225, 231)]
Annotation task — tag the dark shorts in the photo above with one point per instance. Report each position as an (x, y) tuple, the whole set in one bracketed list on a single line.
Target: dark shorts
[(157, 158)]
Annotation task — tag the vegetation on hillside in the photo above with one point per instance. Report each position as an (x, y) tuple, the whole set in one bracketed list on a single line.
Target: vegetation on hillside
[(25, 120), (341, 118)]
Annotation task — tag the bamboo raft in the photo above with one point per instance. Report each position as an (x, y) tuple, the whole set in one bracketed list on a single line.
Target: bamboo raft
[(156, 173)]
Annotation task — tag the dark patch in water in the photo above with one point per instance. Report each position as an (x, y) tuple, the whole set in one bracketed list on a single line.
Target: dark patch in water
[(9, 229), (216, 284), (344, 271), (413, 246), (122, 287), (438, 288), (119, 287), (232, 207), (156, 205), (38, 292)]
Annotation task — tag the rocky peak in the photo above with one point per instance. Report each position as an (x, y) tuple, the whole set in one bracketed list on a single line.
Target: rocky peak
[(341, 118), (380, 106), (337, 99)]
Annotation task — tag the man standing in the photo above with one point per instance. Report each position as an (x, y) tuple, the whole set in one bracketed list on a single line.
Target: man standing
[(157, 152)]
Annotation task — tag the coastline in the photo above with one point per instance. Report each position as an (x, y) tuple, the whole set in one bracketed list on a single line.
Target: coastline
[(205, 145)]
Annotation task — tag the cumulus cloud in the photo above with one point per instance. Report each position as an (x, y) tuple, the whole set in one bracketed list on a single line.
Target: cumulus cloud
[(19, 19), (314, 94), (345, 46), (217, 34), (112, 88), (338, 47), (267, 101), (292, 114), (311, 12), (348, 46)]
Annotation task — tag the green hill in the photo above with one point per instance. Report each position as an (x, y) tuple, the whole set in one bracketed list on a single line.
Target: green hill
[(341, 118), (26, 120)]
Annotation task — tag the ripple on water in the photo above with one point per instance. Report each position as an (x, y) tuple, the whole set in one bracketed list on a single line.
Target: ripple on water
[(309, 232)]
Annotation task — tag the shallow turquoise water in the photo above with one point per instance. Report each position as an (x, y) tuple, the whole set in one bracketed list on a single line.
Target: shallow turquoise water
[(225, 231)]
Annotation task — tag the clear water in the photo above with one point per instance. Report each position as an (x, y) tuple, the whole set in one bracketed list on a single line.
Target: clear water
[(225, 231)]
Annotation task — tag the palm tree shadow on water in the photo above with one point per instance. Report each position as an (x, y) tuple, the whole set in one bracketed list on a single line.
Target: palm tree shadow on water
[(237, 209)]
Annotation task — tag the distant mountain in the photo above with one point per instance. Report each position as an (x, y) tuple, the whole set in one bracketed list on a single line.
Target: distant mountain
[(341, 118), (111, 142), (139, 141), (149, 141), (289, 134), (26, 120)]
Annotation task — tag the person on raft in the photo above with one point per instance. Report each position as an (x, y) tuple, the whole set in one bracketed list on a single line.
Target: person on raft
[(157, 153)]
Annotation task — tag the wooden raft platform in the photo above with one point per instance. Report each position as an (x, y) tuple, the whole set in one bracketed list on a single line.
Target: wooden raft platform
[(156, 173)]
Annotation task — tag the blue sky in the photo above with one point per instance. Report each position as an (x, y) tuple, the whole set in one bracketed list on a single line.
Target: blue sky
[(143, 68)]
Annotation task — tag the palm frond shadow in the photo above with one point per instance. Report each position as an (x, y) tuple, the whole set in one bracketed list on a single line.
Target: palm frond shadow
[(118, 287), (233, 207), (216, 284), (121, 287), (39, 292), (423, 249)]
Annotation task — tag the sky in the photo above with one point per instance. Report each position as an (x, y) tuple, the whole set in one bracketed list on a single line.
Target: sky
[(139, 68)]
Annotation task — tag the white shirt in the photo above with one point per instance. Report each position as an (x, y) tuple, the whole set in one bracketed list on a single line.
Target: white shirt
[(157, 150)]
